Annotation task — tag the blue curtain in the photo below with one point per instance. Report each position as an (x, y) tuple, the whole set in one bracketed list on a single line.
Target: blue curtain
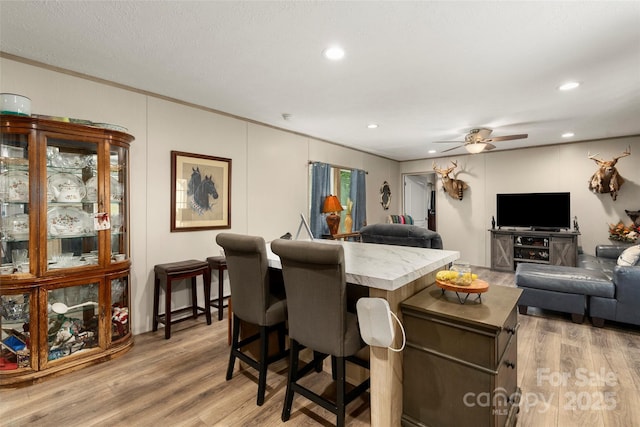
[(320, 189), (358, 195)]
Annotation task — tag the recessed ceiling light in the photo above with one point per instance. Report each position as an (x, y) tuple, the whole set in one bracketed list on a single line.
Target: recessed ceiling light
[(569, 85), (372, 126), (334, 53), (568, 134), (431, 151)]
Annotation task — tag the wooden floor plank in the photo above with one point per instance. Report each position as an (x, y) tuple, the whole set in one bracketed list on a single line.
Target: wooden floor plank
[(181, 382)]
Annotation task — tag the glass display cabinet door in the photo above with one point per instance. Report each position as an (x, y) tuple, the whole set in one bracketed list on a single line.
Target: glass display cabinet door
[(119, 240), (15, 332), (14, 203), (120, 326), (73, 203), (73, 320)]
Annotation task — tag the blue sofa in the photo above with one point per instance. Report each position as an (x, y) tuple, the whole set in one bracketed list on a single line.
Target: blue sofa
[(624, 307), (597, 286)]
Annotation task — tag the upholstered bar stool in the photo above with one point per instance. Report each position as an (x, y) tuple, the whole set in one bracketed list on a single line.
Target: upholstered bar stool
[(316, 288), (167, 273), (219, 263), (257, 300)]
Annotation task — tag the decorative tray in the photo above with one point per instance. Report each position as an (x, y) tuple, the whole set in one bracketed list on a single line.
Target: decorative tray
[(476, 287), (68, 222), (16, 227), (14, 186)]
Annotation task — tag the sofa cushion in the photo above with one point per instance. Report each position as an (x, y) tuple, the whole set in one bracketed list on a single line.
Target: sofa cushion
[(400, 219), (630, 256), (573, 280), (590, 262)]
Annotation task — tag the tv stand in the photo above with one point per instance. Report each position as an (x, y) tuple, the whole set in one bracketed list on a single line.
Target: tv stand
[(510, 247), (553, 230)]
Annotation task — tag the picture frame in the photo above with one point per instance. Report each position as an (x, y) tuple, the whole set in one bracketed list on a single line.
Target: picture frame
[(200, 192)]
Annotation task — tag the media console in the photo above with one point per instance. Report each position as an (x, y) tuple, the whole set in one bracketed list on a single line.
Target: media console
[(510, 247)]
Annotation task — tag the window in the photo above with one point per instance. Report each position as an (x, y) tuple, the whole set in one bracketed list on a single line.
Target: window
[(347, 184)]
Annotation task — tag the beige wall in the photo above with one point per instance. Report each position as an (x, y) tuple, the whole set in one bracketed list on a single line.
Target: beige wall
[(269, 167), (464, 223), (272, 165)]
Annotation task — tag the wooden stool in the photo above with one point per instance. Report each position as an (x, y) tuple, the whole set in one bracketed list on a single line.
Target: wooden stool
[(176, 271), (218, 263)]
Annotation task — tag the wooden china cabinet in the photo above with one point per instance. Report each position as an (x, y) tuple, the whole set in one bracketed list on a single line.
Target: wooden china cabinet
[(64, 246)]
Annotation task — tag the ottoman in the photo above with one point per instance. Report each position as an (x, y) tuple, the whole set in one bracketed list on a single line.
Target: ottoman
[(560, 288)]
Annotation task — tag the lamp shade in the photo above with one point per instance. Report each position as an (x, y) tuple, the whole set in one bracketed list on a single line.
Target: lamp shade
[(331, 204), (475, 147)]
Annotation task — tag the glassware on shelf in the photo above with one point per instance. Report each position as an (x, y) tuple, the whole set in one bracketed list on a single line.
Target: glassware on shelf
[(15, 309), (19, 257)]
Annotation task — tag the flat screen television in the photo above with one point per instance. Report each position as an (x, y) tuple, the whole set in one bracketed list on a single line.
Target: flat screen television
[(538, 211)]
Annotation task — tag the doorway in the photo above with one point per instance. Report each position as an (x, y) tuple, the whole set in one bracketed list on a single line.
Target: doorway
[(419, 198)]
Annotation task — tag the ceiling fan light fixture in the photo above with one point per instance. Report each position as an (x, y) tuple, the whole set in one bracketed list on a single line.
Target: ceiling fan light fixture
[(476, 147)]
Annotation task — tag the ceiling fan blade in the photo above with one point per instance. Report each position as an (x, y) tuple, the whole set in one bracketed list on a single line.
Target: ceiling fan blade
[(489, 147), (507, 137), (451, 149)]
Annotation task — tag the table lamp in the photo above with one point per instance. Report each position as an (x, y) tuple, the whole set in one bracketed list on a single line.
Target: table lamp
[(331, 206)]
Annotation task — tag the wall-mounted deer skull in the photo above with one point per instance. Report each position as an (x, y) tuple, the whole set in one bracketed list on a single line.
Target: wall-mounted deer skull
[(453, 187), (607, 179)]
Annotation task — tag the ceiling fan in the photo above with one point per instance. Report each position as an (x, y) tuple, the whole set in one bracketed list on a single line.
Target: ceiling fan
[(478, 140)]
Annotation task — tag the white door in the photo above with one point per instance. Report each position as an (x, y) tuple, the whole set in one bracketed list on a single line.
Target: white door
[(416, 198)]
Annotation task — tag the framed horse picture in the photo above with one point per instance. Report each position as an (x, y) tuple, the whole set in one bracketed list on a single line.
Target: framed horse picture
[(200, 192)]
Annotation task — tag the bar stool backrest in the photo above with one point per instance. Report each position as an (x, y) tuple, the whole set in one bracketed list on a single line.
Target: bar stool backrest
[(248, 275)]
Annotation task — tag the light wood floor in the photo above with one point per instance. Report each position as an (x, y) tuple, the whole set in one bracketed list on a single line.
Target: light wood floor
[(181, 382)]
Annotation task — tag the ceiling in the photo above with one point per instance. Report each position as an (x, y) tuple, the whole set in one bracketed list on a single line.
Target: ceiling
[(424, 71)]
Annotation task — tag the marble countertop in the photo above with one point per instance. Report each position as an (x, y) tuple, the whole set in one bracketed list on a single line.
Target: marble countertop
[(387, 267)]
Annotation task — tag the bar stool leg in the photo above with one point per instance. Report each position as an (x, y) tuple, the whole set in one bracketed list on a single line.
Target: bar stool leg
[(194, 298), (206, 277), (156, 302), (229, 322), (220, 292), (167, 310)]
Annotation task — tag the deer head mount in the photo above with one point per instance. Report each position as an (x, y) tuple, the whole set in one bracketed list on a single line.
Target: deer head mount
[(453, 187), (607, 179), (635, 216)]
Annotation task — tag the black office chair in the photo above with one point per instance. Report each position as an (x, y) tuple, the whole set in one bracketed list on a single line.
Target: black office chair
[(315, 282), (255, 300)]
